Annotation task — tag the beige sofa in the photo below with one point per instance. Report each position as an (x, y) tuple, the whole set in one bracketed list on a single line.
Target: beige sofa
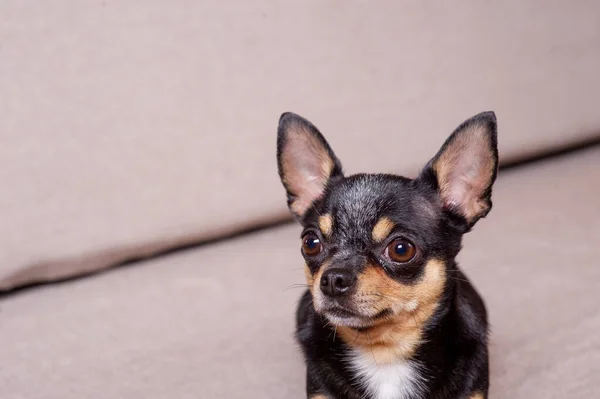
[(130, 130)]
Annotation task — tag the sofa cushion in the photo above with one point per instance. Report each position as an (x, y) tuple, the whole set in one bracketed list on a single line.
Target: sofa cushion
[(130, 128), (217, 321)]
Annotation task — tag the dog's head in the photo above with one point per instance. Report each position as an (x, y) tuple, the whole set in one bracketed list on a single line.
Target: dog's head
[(381, 247)]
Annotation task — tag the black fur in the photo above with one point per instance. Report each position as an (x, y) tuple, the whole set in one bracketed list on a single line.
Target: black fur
[(454, 358)]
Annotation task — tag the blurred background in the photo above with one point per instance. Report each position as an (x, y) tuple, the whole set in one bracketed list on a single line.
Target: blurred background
[(133, 128)]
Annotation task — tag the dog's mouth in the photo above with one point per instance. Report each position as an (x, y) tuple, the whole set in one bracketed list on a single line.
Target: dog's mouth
[(340, 316)]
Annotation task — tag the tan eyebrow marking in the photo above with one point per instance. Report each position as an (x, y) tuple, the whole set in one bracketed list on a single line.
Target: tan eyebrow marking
[(382, 229), (326, 224)]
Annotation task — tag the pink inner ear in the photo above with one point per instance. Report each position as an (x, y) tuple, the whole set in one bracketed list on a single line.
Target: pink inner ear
[(307, 167), (465, 170)]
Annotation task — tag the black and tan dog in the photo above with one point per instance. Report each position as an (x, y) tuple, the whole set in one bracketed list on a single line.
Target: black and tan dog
[(388, 313)]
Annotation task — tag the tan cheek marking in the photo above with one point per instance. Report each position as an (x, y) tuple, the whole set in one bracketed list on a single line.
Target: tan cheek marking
[(476, 396), (326, 224), (319, 396), (315, 286), (399, 335), (317, 278), (382, 229)]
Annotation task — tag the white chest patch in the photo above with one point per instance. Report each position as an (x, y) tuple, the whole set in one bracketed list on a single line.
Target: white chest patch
[(400, 380)]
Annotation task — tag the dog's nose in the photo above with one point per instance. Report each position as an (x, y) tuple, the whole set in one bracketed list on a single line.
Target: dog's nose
[(335, 282)]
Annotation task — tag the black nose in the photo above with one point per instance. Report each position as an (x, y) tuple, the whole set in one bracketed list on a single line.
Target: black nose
[(335, 282)]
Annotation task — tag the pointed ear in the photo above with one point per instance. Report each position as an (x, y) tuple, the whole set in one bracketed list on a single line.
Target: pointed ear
[(306, 162), (465, 168)]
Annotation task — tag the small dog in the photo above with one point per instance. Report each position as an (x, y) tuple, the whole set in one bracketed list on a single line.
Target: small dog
[(388, 313)]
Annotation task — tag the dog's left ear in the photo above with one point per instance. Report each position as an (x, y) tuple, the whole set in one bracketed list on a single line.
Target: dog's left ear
[(306, 162), (465, 168)]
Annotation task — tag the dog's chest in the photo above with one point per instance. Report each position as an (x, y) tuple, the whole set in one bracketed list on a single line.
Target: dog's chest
[(399, 380)]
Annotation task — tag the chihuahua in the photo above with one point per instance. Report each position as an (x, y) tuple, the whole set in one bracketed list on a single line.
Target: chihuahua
[(388, 314)]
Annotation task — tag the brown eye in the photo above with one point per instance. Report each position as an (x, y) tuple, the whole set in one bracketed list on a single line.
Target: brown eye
[(311, 245), (401, 250)]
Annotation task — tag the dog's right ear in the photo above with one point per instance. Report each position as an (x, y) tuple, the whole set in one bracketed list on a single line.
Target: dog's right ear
[(306, 162)]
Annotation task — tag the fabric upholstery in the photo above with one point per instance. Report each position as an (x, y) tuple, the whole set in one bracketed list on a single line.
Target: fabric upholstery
[(217, 321), (132, 127)]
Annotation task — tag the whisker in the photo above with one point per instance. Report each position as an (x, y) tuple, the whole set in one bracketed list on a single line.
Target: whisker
[(459, 279), (296, 286), (334, 333), (300, 299)]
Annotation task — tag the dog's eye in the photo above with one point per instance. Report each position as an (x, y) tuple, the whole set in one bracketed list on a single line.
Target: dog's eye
[(311, 245), (401, 250)]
